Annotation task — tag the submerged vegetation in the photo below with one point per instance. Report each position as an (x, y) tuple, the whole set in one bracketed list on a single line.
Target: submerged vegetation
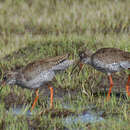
[(36, 29)]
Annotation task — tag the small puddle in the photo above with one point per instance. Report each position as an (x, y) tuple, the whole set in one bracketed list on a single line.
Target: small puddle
[(20, 111), (86, 117)]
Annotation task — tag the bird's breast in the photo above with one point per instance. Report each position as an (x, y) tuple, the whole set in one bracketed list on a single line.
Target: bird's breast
[(107, 68), (38, 80)]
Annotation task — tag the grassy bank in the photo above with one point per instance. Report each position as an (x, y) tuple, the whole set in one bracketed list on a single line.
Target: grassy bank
[(35, 29)]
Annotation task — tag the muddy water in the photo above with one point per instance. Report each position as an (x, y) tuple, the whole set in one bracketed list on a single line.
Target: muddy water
[(87, 117), (70, 121), (19, 110)]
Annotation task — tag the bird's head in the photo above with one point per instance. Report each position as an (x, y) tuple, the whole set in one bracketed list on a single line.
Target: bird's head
[(9, 78), (85, 54)]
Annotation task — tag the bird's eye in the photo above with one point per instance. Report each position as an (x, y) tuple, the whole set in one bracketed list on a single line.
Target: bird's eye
[(4, 78), (81, 54)]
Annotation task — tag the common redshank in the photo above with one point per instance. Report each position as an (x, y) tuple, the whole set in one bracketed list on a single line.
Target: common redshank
[(38, 74), (108, 60)]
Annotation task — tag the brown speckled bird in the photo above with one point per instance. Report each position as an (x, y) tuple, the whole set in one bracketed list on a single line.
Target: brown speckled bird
[(39, 74), (108, 60)]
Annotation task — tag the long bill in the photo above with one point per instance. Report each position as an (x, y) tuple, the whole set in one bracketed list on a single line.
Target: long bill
[(78, 63), (2, 85), (2, 82)]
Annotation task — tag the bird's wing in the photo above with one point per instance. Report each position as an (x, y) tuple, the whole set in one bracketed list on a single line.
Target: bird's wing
[(111, 55), (125, 65), (36, 67)]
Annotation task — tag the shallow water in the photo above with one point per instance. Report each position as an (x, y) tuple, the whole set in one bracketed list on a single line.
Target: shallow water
[(21, 111), (87, 117), (70, 122)]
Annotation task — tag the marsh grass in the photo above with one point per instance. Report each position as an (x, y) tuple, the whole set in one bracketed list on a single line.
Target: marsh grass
[(36, 29)]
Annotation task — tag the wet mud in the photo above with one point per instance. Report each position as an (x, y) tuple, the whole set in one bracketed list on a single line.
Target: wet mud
[(13, 100), (57, 113)]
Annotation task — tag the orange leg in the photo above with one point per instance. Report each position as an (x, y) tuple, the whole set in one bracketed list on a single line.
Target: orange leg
[(127, 86), (111, 85), (51, 96), (36, 98)]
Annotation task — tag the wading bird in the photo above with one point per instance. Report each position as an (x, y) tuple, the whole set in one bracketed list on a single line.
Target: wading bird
[(107, 60), (38, 74)]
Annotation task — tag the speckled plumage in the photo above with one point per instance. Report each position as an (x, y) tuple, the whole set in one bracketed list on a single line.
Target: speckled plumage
[(38, 73), (107, 60)]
